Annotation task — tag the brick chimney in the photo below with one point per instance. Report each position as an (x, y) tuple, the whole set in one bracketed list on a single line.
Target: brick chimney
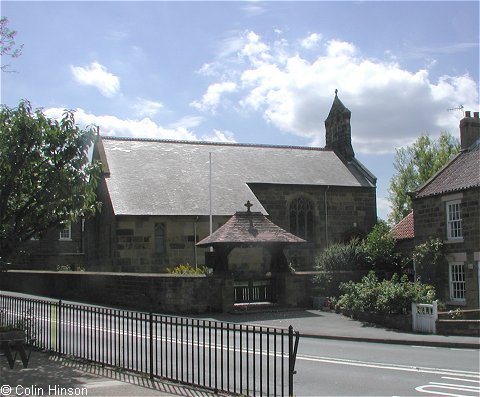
[(338, 135), (469, 129)]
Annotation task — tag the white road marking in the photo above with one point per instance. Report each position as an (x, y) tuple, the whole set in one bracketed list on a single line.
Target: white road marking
[(451, 389), (396, 367)]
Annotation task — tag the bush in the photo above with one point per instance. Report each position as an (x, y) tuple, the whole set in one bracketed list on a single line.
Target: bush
[(338, 257), (394, 296), (349, 256), (379, 247), (188, 269), (430, 260)]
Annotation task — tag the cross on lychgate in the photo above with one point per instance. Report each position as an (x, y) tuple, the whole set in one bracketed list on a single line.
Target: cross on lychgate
[(248, 204)]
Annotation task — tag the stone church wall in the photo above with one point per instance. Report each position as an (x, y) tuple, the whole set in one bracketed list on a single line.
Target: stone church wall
[(136, 245), (348, 212)]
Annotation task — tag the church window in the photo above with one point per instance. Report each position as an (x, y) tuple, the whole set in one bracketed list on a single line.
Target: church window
[(159, 238), (301, 218)]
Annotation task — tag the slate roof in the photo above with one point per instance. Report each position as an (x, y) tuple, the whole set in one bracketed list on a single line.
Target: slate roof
[(249, 228), (461, 173), (404, 230), (161, 177)]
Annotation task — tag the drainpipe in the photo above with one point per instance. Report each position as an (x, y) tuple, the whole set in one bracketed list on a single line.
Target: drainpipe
[(326, 216), (195, 240)]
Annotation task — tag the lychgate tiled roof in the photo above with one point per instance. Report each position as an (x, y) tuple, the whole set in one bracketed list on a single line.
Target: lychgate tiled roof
[(462, 172), (250, 228), (404, 229), (160, 177)]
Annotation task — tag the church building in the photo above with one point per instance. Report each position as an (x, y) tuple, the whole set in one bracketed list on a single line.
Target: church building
[(158, 196)]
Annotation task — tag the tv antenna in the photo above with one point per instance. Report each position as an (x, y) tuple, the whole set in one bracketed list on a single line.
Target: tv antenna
[(457, 108)]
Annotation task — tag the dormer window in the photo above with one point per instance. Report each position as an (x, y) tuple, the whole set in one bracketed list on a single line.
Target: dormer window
[(454, 220)]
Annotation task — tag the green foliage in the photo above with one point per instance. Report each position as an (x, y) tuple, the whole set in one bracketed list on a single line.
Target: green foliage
[(7, 42), (188, 269), (429, 259), (338, 257), (379, 247), (46, 177), (348, 256), (414, 165), (393, 296), (377, 251)]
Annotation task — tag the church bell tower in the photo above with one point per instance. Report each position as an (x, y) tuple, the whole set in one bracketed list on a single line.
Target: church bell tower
[(338, 135)]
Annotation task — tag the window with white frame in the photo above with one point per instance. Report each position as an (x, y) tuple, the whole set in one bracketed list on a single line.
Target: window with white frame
[(454, 220), (66, 233), (457, 281)]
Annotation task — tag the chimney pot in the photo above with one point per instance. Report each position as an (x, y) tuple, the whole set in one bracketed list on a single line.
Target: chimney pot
[(469, 130)]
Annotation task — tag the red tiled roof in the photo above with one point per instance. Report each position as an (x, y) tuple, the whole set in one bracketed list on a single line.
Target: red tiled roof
[(404, 229), (250, 227), (462, 172)]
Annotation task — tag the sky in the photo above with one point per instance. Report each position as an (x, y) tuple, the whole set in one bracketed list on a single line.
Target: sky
[(251, 71)]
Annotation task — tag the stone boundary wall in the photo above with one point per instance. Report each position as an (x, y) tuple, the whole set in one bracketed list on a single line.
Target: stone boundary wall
[(163, 293)]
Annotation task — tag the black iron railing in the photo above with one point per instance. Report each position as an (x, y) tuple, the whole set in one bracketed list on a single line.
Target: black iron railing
[(245, 359)]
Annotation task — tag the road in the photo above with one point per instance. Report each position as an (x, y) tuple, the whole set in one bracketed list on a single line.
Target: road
[(339, 368), (324, 367)]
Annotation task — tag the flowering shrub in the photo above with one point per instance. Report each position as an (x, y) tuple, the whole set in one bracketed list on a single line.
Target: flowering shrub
[(188, 269), (394, 296)]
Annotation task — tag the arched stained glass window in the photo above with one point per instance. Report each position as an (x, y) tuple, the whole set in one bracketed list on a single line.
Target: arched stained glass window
[(301, 218)]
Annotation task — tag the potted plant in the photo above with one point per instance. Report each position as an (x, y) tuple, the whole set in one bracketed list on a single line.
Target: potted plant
[(13, 330)]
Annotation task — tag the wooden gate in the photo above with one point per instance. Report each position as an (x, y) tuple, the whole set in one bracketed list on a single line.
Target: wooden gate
[(424, 317), (250, 291)]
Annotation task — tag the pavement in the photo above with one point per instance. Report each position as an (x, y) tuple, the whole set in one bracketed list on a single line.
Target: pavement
[(47, 374), (330, 325)]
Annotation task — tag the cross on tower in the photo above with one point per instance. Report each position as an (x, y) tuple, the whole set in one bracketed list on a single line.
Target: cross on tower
[(248, 204)]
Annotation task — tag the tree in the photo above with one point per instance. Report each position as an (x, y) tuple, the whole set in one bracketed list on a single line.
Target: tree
[(46, 177), (379, 247), (414, 165), (7, 42)]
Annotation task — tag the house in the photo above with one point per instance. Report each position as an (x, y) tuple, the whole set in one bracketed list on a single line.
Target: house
[(158, 196), (447, 207), (57, 249), (404, 234)]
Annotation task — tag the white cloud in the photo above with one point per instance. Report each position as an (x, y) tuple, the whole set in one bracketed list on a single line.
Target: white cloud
[(146, 107), (254, 49), (114, 126), (187, 122), (143, 128), (384, 206), (219, 136), (311, 41), (390, 105), (211, 99), (96, 75)]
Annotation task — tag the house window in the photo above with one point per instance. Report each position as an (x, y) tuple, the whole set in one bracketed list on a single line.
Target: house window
[(454, 220), (457, 281), (159, 238), (66, 233), (301, 218)]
